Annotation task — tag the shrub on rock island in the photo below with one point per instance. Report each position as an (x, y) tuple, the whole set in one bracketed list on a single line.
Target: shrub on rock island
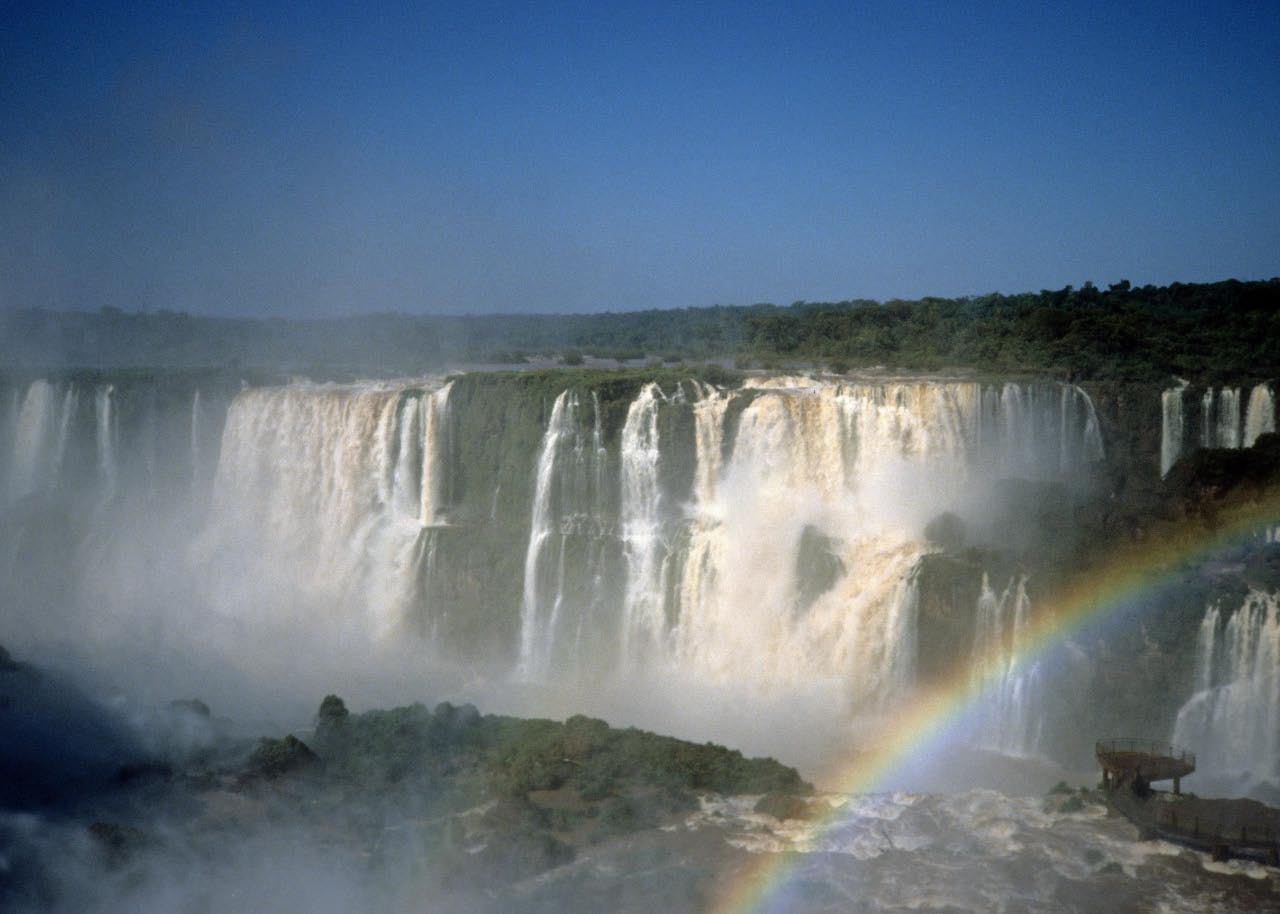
[(276, 758)]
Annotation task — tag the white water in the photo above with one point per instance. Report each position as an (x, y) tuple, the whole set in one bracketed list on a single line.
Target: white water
[(708, 414), (1233, 719), (1260, 417), (45, 423), (1011, 686), (197, 455), (537, 619), (333, 496), (1220, 418), (1171, 427), (70, 402), (567, 517), (644, 621), (32, 440), (327, 493), (977, 852), (864, 465), (1224, 422), (328, 504), (804, 457), (106, 438)]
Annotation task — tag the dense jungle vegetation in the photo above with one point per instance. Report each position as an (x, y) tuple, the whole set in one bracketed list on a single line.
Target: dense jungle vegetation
[(1204, 332)]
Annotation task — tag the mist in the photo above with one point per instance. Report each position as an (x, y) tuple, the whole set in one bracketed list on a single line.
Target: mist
[(193, 562), (184, 530)]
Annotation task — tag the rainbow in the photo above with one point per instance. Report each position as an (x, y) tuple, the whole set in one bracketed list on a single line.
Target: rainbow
[(927, 714)]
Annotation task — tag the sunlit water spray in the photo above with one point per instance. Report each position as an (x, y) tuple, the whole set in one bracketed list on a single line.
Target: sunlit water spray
[(765, 540), (1234, 716)]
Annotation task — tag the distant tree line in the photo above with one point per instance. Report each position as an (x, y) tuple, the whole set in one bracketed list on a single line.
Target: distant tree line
[(1207, 332)]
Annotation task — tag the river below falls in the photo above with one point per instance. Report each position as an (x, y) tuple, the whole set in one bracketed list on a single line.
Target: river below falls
[(978, 851)]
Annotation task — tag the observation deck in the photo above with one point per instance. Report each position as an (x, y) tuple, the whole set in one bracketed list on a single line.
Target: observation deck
[(1141, 762), (1223, 828)]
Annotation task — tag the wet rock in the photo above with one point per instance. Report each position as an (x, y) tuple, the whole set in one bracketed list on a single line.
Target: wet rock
[(785, 806)]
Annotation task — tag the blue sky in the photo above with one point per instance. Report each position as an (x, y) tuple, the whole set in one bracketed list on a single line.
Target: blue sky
[(334, 158)]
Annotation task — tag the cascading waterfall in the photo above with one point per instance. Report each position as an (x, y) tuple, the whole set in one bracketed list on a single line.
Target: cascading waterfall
[(767, 536), (708, 412), (682, 538), (1220, 418), (1208, 429), (328, 487), (435, 423), (42, 439), (838, 460), (197, 455), (413, 494), (799, 457), (98, 496), (1260, 417), (1206, 642), (1007, 720), (558, 600), (70, 402), (1223, 423), (32, 440), (1233, 719), (537, 620), (128, 441), (1228, 418), (106, 434), (644, 616), (1171, 427)]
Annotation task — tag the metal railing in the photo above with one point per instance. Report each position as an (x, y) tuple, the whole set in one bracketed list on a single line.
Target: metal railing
[(1144, 747), (1204, 828)]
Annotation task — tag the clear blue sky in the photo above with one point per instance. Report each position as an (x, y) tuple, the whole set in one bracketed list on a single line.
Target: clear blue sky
[(579, 157)]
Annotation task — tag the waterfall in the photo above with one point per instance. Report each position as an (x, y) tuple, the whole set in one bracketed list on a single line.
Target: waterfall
[(1208, 429), (408, 469), (1260, 417), (321, 487), (768, 535), (1079, 438), (1206, 641), (1220, 418), (540, 608), (197, 469), (32, 440), (1171, 427), (1228, 418), (70, 403), (565, 587), (1232, 721), (1223, 424), (105, 436), (1007, 720), (709, 580), (644, 619), (123, 443), (708, 412), (434, 463)]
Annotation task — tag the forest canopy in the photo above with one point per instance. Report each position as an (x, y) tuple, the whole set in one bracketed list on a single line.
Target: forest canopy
[(1204, 332)]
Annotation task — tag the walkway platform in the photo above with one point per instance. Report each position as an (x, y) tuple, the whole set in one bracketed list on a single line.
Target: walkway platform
[(1223, 828), (1142, 762)]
